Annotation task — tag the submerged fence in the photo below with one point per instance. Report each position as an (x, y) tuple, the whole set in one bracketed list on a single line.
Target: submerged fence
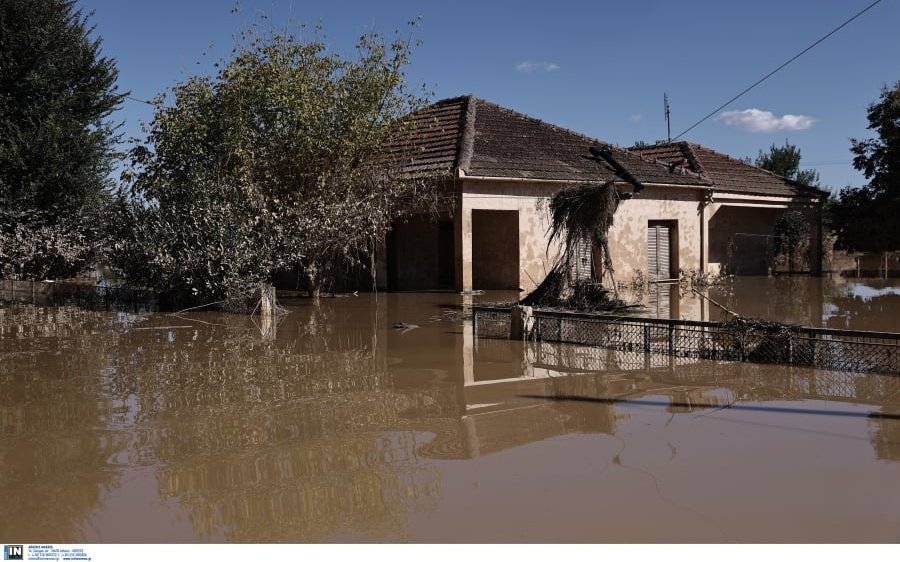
[(83, 294), (835, 350)]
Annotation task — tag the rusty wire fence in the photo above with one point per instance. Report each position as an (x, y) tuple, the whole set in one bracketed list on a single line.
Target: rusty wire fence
[(820, 348)]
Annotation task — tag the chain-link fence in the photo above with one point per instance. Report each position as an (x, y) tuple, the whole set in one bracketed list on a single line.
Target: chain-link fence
[(836, 350), (748, 381)]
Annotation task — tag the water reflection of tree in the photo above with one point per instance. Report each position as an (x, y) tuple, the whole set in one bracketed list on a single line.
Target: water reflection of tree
[(58, 427), (848, 310), (293, 439)]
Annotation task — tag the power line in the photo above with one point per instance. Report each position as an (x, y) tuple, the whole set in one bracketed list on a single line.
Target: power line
[(829, 163), (766, 77), (153, 104)]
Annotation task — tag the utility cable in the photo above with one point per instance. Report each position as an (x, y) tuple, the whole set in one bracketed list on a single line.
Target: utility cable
[(767, 76), (153, 104)]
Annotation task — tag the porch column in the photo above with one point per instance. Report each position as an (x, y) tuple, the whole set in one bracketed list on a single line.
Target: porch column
[(704, 238), (464, 276), (468, 349)]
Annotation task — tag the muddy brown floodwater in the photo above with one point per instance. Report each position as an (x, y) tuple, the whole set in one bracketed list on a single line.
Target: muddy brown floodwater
[(336, 426), (836, 302)]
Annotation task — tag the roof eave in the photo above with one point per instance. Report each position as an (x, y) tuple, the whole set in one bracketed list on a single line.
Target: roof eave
[(461, 174)]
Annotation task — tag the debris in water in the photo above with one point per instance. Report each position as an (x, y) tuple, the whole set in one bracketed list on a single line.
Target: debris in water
[(404, 327)]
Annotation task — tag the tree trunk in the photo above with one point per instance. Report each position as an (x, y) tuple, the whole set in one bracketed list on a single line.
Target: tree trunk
[(608, 266), (313, 283), (267, 300), (267, 311)]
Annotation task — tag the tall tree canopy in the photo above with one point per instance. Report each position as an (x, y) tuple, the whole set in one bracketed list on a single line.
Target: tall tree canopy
[(278, 161), (865, 218), (57, 92), (785, 161)]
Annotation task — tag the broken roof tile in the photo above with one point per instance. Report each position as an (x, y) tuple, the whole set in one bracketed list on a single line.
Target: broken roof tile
[(485, 139), (727, 174)]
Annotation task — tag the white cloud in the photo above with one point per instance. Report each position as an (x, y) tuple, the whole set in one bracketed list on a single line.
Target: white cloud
[(759, 121), (637, 117), (535, 66)]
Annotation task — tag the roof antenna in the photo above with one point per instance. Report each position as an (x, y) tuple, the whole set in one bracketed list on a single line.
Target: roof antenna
[(668, 117)]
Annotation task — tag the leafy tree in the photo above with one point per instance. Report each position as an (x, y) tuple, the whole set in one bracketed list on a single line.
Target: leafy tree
[(879, 158), (279, 161), (57, 93), (865, 218), (792, 232), (785, 161)]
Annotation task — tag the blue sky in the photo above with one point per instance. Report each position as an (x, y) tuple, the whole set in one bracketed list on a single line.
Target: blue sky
[(597, 67)]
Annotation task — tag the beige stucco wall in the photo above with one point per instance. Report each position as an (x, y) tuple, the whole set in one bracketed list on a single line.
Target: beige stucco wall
[(529, 199), (628, 235), (685, 207)]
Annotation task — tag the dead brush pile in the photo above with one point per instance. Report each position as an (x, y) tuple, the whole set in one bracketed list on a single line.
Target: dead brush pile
[(581, 216), (762, 340), (584, 295)]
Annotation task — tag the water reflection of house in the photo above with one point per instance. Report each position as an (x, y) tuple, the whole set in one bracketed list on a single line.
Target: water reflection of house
[(502, 167), (687, 400), (509, 394), (514, 393), (328, 431)]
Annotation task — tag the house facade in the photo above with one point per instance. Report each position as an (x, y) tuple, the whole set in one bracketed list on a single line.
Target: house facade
[(502, 167), (744, 204)]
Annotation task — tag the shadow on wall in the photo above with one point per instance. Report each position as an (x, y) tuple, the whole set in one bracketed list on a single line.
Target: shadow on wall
[(495, 250), (741, 239)]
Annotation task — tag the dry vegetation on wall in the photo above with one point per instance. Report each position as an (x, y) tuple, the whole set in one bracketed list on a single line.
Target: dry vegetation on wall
[(580, 216)]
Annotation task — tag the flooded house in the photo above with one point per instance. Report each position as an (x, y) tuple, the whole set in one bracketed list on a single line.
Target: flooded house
[(746, 201), (699, 210)]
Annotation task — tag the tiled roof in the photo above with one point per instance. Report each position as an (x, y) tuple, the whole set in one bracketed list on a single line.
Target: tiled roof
[(484, 139), (431, 138), (726, 173)]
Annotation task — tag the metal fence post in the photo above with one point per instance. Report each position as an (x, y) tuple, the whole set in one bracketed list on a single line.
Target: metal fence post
[(849, 350), (790, 348), (813, 346)]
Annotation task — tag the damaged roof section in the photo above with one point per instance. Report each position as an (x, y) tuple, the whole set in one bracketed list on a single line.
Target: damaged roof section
[(484, 139), (429, 139), (726, 174)]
